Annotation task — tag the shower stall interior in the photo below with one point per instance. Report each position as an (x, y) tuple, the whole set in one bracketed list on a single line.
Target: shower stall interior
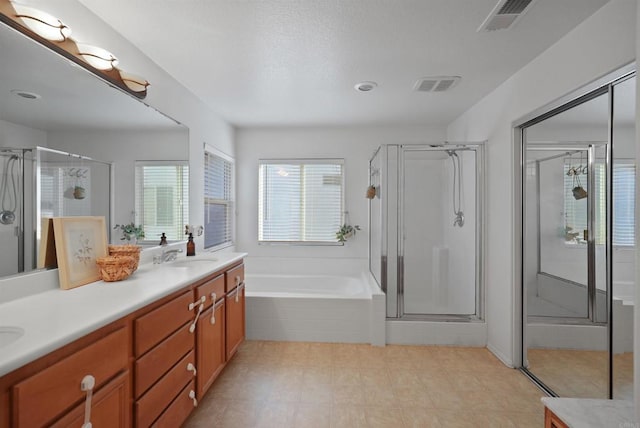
[(425, 234)]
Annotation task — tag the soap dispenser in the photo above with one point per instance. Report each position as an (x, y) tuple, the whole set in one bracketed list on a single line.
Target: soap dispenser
[(191, 246), (163, 240)]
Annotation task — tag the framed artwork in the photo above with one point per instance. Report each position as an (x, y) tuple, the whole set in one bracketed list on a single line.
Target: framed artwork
[(79, 241)]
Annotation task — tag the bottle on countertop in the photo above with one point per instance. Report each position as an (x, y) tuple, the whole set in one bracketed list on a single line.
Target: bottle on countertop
[(163, 240), (191, 246)]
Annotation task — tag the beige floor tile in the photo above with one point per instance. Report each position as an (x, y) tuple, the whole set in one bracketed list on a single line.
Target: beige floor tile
[(384, 418), (348, 417), (276, 415), (319, 393), (312, 416), (418, 417), (416, 387)]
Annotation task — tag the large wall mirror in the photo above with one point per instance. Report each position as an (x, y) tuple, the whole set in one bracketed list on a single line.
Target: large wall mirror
[(69, 145), (579, 250)]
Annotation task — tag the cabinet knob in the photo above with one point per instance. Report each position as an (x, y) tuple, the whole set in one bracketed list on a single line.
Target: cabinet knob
[(192, 395), (191, 368), (237, 280)]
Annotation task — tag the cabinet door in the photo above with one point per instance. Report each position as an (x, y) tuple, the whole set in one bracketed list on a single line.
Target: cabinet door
[(235, 320), (211, 346), (58, 387), (109, 407)]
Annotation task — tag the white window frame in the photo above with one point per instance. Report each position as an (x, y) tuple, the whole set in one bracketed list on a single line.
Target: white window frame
[(306, 161), (139, 198), (232, 215)]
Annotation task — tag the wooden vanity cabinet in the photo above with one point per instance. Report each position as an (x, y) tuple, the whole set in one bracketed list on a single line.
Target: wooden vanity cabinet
[(150, 366), (55, 392), (165, 358), (235, 320), (552, 421)]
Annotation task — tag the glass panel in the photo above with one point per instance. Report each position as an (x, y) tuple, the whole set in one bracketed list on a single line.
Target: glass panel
[(439, 254), (375, 220), (624, 252), (565, 182)]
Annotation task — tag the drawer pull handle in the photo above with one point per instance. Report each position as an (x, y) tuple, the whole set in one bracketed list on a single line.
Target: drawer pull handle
[(200, 301), (238, 292), (192, 327), (237, 280), (87, 384), (191, 368), (213, 312), (192, 395)]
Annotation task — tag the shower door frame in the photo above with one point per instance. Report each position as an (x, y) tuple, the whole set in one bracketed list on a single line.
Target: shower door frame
[(397, 232), (598, 87)]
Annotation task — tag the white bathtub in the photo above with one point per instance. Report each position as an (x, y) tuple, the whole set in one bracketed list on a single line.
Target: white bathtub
[(314, 308), (322, 286)]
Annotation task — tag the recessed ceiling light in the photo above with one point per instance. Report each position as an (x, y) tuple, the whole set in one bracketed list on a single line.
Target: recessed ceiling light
[(366, 86), (25, 94)]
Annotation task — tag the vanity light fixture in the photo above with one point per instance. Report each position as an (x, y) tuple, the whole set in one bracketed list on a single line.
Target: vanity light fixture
[(50, 32), (133, 82), (97, 57), (46, 26)]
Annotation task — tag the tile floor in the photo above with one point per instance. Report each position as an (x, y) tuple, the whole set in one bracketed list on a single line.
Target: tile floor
[(308, 385), (582, 374)]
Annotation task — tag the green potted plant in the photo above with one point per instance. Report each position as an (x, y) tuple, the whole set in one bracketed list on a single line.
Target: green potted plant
[(346, 231), (130, 232)]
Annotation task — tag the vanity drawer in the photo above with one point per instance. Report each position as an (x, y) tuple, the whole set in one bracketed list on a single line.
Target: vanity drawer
[(160, 359), (216, 285), (151, 328), (152, 404), (40, 398), (234, 277), (179, 410)]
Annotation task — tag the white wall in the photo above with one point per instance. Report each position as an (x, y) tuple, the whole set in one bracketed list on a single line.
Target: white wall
[(356, 145), (599, 45), (123, 148)]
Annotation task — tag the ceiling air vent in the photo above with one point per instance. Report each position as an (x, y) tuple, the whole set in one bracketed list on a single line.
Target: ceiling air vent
[(505, 14), (436, 83)]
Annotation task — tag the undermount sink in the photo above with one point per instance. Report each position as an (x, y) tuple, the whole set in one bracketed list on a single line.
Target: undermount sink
[(185, 263), (9, 335)]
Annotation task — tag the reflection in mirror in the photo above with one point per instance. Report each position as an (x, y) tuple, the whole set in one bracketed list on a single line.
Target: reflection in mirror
[(579, 272), (47, 102), (566, 325)]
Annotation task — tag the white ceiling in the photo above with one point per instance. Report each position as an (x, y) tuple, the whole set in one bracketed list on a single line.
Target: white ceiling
[(295, 62)]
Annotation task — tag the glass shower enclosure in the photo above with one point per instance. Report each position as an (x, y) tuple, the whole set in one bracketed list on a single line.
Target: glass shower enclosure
[(425, 234)]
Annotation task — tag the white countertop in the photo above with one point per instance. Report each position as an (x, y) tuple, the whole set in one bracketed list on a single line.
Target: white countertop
[(592, 413), (54, 318)]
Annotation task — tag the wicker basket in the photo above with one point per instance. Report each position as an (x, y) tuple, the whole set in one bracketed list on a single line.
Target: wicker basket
[(126, 251), (115, 268)]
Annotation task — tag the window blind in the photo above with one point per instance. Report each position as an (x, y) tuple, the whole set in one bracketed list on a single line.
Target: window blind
[(300, 201), (623, 204), (162, 198), (218, 200)]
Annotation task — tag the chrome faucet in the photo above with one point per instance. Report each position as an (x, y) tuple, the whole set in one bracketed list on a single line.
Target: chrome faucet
[(170, 255), (167, 255)]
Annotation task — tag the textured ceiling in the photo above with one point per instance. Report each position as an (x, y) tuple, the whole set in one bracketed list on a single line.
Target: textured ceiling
[(295, 62)]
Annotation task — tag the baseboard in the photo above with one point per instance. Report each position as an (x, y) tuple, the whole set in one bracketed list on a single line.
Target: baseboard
[(506, 361)]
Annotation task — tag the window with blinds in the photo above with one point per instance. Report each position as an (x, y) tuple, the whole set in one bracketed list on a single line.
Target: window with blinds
[(623, 204), (218, 199), (300, 200), (162, 198)]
